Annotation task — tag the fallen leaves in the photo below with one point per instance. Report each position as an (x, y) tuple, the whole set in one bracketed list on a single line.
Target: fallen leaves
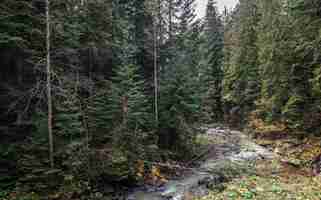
[(286, 177), (269, 188), (263, 129), (150, 175)]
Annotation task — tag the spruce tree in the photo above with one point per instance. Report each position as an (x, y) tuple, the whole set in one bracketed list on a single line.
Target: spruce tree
[(242, 83), (273, 53), (303, 108), (179, 83), (69, 114), (212, 76)]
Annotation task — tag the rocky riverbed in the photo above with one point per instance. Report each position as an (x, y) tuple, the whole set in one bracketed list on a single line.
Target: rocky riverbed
[(229, 148)]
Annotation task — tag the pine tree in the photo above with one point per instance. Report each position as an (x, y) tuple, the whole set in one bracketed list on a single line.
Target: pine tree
[(21, 25), (123, 106), (69, 116), (231, 40), (127, 94), (213, 72), (179, 107), (242, 85), (179, 95), (303, 108), (273, 53)]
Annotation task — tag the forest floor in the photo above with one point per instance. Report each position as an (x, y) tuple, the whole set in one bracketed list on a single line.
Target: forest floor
[(269, 164), (287, 176)]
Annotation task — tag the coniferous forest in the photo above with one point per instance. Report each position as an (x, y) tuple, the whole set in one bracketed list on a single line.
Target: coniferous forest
[(101, 96)]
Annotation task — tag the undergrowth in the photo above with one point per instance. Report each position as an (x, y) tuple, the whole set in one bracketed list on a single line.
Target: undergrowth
[(288, 176), (273, 180)]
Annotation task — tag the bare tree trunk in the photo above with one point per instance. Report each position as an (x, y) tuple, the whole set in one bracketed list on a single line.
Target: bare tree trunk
[(155, 69), (160, 22), (160, 43), (51, 158), (170, 21)]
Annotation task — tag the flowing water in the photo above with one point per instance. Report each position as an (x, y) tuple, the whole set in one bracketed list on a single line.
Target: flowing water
[(235, 147)]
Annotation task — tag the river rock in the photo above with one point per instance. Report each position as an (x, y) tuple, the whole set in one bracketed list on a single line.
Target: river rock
[(236, 148)]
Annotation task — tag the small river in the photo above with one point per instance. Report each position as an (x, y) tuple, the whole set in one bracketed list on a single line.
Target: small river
[(233, 148)]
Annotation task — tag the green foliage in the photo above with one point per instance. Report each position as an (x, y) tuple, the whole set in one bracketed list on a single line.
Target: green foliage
[(264, 56), (212, 73), (122, 115), (179, 109), (292, 111), (273, 55), (69, 117), (127, 93), (40, 121), (17, 28), (316, 82), (123, 104), (241, 82), (268, 68), (180, 83), (89, 23), (100, 121), (8, 153), (5, 195)]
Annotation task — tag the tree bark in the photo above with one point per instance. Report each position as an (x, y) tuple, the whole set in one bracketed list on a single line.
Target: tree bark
[(50, 135), (170, 21), (155, 69)]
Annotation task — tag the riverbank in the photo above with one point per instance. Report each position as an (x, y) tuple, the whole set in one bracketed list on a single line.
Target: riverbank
[(288, 175), (232, 153)]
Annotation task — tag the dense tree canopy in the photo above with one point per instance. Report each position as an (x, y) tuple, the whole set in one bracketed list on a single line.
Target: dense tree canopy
[(133, 80)]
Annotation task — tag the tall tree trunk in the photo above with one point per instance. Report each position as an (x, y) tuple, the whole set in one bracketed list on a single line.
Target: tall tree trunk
[(170, 21), (51, 158), (160, 23), (160, 41), (155, 68)]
